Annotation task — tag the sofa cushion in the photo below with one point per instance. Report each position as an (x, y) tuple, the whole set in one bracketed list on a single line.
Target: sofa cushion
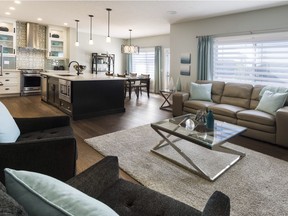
[(47, 134), (256, 126), (237, 94), (255, 98), (131, 199), (200, 91), (257, 117), (226, 110), (271, 102), (197, 104), (217, 89), (43, 195), (9, 131), (8, 206)]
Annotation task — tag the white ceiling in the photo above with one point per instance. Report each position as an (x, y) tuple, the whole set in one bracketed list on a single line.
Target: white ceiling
[(145, 18)]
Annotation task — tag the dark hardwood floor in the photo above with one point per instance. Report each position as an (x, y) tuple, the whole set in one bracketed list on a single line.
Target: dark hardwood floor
[(138, 112)]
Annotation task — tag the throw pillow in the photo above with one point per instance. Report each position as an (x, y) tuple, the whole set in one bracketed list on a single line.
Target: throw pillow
[(43, 195), (9, 131), (200, 91), (273, 89), (271, 102)]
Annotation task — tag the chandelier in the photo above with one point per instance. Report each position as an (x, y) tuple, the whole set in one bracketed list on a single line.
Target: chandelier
[(129, 49)]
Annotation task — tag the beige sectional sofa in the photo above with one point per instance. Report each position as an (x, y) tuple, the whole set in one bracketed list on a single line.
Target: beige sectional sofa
[(235, 103)]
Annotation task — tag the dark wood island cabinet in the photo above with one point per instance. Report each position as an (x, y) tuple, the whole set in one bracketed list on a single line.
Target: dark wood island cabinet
[(85, 96)]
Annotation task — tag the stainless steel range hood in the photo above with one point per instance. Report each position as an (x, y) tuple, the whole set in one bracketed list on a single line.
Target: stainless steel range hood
[(32, 36)]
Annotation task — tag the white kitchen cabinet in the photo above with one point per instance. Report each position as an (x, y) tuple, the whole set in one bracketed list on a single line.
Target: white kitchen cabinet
[(10, 83), (8, 36), (57, 43)]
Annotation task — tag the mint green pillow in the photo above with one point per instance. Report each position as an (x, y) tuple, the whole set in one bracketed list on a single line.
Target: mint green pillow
[(200, 91), (270, 102), (9, 131), (43, 195)]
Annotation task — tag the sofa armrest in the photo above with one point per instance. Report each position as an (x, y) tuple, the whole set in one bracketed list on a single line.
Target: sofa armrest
[(98, 177), (55, 157), (178, 98), (218, 204), (27, 125), (282, 126)]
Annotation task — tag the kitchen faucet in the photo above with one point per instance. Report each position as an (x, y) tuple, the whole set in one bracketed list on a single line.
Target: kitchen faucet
[(78, 68)]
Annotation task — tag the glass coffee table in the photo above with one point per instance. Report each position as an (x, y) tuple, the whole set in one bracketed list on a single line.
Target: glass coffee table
[(183, 133)]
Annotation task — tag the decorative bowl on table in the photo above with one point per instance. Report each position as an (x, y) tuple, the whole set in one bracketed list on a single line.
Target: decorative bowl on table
[(81, 67)]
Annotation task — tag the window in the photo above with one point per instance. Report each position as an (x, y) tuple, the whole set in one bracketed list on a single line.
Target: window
[(255, 59), (144, 63)]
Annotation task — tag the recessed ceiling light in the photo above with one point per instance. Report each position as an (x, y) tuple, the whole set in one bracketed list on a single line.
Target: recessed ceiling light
[(11, 8), (65, 24), (17, 2), (39, 19), (7, 13)]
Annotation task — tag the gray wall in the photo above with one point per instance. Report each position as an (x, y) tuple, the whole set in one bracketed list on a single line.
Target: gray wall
[(82, 54), (183, 36)]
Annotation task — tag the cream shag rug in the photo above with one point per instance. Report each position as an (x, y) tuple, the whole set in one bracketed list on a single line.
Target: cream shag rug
[(256, 185)]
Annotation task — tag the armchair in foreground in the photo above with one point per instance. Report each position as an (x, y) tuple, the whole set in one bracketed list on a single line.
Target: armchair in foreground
[(46, 145)]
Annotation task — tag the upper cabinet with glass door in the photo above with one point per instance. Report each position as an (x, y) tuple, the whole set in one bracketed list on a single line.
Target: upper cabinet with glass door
[(8, 37), (57, 43)]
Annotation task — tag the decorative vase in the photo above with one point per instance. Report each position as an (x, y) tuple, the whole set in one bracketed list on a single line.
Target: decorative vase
[(178, 84), (171, 84)]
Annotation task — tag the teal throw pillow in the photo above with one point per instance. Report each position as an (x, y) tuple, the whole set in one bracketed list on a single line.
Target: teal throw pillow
[(43, 195), (271, 102), (9, 131), (200, 91)]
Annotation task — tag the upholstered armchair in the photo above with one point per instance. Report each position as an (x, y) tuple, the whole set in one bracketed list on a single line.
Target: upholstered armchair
[(45, 145)]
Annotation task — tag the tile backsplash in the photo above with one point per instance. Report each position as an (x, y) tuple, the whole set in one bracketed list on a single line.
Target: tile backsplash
[(27, 58)]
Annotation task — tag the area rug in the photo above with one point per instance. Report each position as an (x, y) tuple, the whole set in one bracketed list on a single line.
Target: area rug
[(256, 185)]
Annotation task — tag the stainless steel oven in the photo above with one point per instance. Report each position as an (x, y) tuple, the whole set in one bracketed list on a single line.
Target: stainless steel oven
[(30, 81)]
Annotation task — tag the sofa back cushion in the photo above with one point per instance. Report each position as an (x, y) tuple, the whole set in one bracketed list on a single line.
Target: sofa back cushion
[(217, 89), (255, 98), (237, 94)]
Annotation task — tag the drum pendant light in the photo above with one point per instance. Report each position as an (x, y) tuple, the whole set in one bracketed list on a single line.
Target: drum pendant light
[(129, 49), (91, 40), (108, 38), (77, 38)]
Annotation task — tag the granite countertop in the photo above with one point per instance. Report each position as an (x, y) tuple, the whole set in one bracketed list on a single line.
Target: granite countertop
[(82, 77)]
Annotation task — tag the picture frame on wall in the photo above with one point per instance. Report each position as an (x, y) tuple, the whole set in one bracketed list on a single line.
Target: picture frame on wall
[(185, 70), (185, 58)]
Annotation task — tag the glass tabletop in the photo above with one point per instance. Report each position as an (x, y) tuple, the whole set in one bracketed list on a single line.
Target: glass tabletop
[(186, 127)]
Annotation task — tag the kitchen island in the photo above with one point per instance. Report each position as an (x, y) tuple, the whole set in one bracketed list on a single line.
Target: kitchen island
[(84, 96)]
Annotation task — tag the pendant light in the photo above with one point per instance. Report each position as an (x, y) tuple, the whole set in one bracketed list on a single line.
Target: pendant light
[(108, 38), (77, 39), (129, 48), (91, 40)]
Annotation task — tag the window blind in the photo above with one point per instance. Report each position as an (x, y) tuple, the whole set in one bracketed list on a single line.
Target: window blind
[(144, 62), (256, 59)]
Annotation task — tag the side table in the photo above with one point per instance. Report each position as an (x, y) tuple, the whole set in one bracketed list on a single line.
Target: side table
[(166, 94)]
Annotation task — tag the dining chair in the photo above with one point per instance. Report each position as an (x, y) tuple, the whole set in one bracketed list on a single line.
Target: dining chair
[(142, 83)]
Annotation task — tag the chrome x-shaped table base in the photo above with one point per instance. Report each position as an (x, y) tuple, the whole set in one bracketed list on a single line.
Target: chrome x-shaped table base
[(197, 170)]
